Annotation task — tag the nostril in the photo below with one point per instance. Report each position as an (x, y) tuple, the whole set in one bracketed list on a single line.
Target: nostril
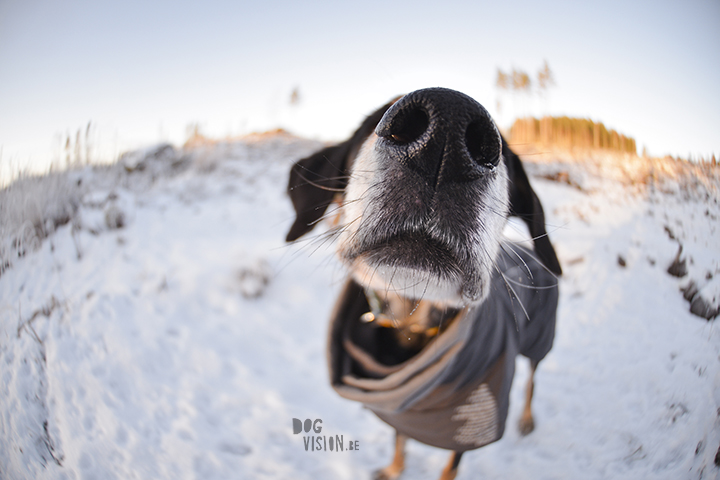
[(482, 143), (408, 125)]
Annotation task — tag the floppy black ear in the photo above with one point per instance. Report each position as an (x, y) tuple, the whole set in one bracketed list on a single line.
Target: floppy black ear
[(315, 180), (525, 204)]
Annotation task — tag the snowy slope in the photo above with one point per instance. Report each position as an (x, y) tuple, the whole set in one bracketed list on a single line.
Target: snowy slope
[(167, 332)]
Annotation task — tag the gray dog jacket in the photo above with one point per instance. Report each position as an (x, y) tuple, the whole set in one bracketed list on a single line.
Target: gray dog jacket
[(454, 393)]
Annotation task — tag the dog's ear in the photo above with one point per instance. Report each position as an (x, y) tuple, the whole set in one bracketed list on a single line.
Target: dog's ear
[(525, 204), (316, 180)]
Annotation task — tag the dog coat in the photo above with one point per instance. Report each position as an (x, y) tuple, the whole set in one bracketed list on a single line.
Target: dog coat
[(454, 393)]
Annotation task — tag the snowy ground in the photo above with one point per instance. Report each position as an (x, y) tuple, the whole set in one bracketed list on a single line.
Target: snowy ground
[(164, 331)]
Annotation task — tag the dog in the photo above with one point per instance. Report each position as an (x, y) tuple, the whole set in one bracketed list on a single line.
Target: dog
[(437, 305)]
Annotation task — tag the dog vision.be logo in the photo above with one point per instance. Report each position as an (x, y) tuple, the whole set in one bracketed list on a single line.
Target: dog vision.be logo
[(321, 443)]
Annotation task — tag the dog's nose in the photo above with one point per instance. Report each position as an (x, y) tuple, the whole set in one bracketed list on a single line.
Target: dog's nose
[(442, 134)]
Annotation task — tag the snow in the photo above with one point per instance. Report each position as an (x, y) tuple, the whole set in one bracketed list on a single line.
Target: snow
[(182, 341)]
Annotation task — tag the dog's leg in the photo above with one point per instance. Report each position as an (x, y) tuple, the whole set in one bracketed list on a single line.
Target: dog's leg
[(527, 424), (450, 470), (393, 471)]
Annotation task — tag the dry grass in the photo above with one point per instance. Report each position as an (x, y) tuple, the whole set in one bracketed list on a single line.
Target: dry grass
[(32, 208), (668, 175)]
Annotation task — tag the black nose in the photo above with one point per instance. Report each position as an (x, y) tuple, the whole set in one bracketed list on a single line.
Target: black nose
[(442, 134)]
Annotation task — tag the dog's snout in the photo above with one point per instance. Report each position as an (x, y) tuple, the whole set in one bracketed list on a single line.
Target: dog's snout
[(444, 135)]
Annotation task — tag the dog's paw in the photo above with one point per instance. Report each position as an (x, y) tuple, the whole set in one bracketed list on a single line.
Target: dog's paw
[(387, 473), (526, 425)]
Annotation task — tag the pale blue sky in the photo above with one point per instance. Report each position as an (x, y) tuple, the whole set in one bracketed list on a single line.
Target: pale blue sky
[(141, 71)]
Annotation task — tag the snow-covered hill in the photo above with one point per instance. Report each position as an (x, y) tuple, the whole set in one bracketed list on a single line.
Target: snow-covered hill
[(154, 325)]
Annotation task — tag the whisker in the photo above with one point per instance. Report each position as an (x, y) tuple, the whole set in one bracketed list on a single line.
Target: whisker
[(509, 246), (542, 265), (331, 213), (553, 230), (317, 185), (517, 297), (530, 287), (510, 293)]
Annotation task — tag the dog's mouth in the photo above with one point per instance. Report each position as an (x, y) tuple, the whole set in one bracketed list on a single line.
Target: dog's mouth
[(416, 251), (413, 265)]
